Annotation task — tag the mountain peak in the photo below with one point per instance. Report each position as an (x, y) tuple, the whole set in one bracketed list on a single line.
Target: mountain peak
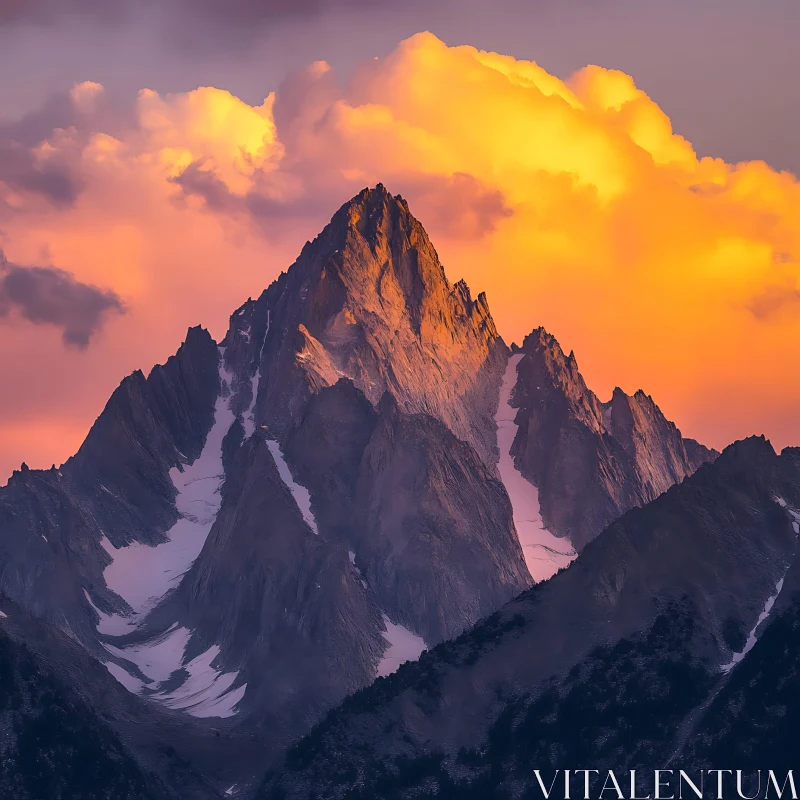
[(628, 451), (370, 212), (369, 300), (751, 449)]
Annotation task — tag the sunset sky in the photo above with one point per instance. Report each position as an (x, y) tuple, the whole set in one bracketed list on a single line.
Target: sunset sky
[(159, 167)]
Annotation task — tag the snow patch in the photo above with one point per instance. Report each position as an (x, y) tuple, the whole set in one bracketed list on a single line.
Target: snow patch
[(404, 645), (795, 515), (222, 708), (205, 692), (159, 657), (302, 496), (751, 639), (111, 624), (544, 553), (142, 574), (133, 685), (3, 615)]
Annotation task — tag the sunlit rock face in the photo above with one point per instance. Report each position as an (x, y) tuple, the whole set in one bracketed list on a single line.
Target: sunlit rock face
[(368, 300)]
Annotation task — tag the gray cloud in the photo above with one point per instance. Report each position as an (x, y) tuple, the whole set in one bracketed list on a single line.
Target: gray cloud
[(53, 174), (183, 18), (775, 300), (47, 12), (459, 205), (268, 213), (52, 180), (198, 182), (51, 296)]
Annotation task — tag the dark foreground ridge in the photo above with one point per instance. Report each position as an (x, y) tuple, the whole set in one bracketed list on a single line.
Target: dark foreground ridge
[(621, 661)]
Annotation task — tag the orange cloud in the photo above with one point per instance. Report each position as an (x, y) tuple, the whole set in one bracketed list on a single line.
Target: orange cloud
[(572, 203)]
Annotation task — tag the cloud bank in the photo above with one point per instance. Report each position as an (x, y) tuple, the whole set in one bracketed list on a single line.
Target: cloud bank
[(572, 203), (51, 296), (221, 23)]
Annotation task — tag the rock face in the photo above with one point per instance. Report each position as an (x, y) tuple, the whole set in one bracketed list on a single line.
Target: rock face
[(116, 489), (643, 652), (258, 528), (361, 463), (368, 300), (591, 461), (414, 498), (301, 600)]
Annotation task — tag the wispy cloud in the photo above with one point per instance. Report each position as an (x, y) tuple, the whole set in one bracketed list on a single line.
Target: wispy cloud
[(51, 296)]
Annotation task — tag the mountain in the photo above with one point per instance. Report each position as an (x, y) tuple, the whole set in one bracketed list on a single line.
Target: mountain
[(591, 461), (368, 299), (260, 527), (644, 652)]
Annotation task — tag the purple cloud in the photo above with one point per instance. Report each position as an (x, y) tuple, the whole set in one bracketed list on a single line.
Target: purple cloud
[(52, 296)]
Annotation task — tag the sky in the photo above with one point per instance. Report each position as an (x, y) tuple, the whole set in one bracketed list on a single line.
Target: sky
[(623, 173)]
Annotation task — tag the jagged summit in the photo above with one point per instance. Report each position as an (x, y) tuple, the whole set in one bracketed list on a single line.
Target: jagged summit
[(377, 249), (383, 223), (373, 217), (368, 299), (591, 460), (375, 212)]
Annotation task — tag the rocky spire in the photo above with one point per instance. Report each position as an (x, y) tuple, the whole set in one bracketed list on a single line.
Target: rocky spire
[(368, 299)]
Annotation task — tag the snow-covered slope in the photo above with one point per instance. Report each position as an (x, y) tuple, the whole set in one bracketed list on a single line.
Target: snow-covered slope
[(545, 553), (142, 574), (403, 646), (301, 495), (590, 461)]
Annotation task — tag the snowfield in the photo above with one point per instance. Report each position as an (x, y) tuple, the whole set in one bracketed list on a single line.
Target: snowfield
[(302, 496), (143, 575), (403, 646), (545, 554)]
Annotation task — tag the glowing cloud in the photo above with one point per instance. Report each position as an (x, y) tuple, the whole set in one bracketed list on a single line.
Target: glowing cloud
[(572, 203)]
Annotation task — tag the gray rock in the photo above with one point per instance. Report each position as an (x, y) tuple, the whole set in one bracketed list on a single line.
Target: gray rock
[(591, 461)]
